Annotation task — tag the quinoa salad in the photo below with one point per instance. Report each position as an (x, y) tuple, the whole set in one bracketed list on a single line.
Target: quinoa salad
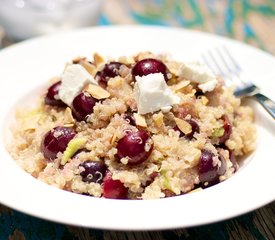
[(136, 127)]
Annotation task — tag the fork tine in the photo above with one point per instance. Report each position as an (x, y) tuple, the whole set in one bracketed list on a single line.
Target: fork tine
[(207, 62), (233, 61), (224, 65), (227, 63), (218, 66), (234, 67), (212, 64)]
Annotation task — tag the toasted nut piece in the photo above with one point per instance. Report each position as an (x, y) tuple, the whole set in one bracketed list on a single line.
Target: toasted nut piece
[(96, 91), (184, 126), (68, 117), (89, 67), (126, 60), (173, 71), (124, 160), (158, 119), (55, 79), (116, 82), (79, 59), (68, 125), (174, 67), (28, 124), (204, 100), (140, 120), (143, 55), (98, 60), (181, 85), (114, 138), (196, 190)]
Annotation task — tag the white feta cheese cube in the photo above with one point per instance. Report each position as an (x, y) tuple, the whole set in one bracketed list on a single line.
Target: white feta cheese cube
[(208, 86), (201, 74), (73, 79), (153, 94)]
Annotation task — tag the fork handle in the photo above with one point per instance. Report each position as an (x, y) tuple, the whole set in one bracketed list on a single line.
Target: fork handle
[(267, 103)]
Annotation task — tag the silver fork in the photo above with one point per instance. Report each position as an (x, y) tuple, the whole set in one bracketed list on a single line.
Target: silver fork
[(222, 63)]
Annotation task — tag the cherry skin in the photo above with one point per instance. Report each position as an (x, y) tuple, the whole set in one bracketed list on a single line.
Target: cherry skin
[(94, 171), (83, 105), (135, 146), (52, 97), (110, 70), (148, 66), (56, 140), (227, 130), (113, 188), (207, 172)]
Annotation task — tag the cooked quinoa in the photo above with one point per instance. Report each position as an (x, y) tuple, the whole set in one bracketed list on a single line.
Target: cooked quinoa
[(192, 144)]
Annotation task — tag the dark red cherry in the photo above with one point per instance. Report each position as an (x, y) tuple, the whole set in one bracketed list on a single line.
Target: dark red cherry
[(94, 171), (227, 129), (136, 146), (82, 106), (52, 97), (113, 188), (207, 172), (110, 70), (56, 140), (148, 66)]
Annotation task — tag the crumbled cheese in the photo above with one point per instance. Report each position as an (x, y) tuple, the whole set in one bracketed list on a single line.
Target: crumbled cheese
[(73, 79), (208, 86), (153, 94), (201, 74)]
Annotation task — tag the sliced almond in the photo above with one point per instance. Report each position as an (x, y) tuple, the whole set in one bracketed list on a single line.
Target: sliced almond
[(116, 82), (77, 60), (68, 125), (55, 79), (174, 67), (98, 60), (183, 125), (89, 67), (158, 119), (29, 123), (96, 91), (195, 190), (181, 85), (114, 138), (126, 60), (204, 100), (173, 71), (68, 117), (140, 120), (143, 55), (124, 160)]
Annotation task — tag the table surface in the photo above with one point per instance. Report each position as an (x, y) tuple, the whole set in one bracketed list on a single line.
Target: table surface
[(250, 21)]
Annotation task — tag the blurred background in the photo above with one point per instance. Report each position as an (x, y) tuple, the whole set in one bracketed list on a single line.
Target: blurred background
[(250, 21)]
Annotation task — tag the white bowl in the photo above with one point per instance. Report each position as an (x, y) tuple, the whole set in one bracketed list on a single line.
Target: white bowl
[(25, 70)]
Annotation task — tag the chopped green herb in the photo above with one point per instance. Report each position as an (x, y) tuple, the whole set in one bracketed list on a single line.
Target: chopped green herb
[(73, 146)]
